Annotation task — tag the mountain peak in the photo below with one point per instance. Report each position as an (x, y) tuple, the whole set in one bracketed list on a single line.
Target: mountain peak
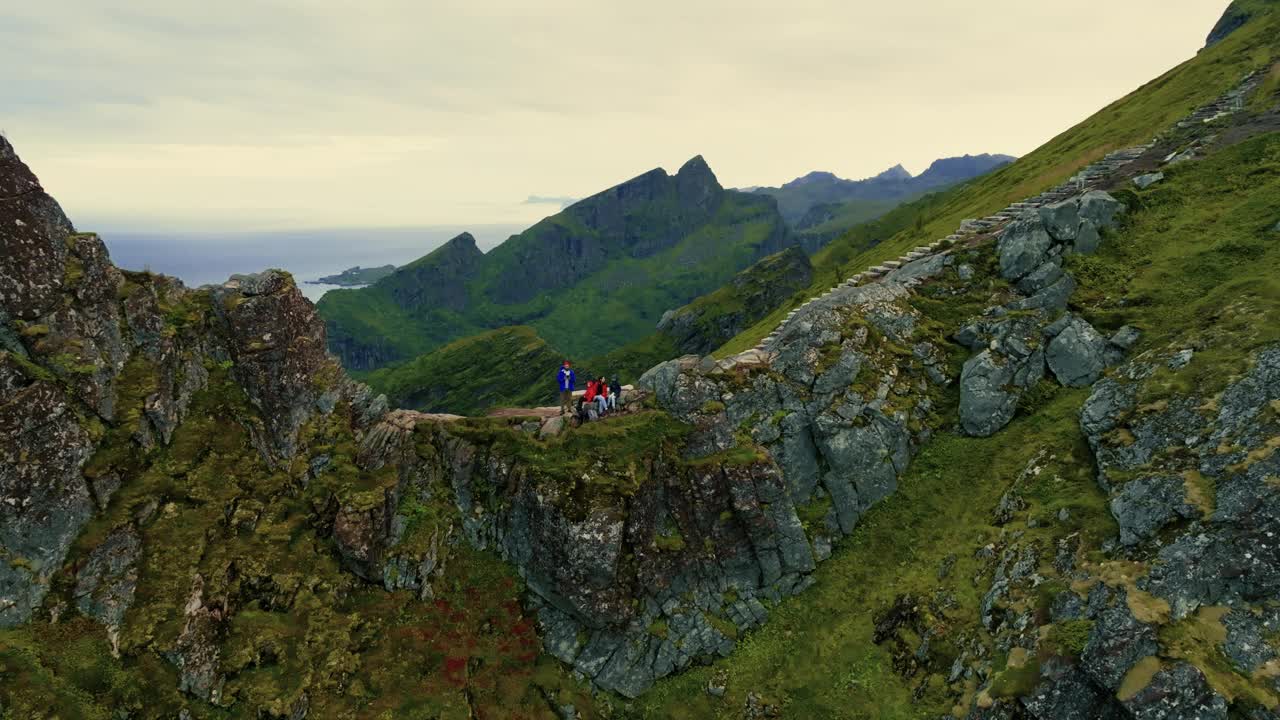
[(816, 176), (1232, 19), (696, 184), (462, 241), (897, 172), (696, 168)]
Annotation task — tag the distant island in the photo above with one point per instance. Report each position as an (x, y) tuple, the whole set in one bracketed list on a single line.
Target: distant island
[(355, 276)]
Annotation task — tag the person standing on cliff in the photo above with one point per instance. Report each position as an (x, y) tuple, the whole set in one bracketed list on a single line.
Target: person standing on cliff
[(566, 380)]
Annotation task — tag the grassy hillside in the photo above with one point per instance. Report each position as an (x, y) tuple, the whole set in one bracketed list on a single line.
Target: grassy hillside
[(507, 367), (1132, 120), (589, 279), (1195, 265)]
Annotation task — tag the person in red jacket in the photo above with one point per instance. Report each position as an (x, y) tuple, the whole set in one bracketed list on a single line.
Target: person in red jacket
[(602, 395)]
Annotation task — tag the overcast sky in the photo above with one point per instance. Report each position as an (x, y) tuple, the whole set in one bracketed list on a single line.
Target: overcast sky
[(168, 114)]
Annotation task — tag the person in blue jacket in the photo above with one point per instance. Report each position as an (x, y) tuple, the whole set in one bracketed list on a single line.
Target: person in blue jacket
[(566, 380)]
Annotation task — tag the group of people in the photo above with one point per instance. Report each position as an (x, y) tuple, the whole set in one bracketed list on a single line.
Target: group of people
[(600, 397)]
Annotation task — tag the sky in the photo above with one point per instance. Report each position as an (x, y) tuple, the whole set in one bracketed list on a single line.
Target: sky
[(263, 115)]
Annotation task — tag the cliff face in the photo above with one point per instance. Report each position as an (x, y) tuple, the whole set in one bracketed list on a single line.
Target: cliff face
[(79, 332), (593, 277)]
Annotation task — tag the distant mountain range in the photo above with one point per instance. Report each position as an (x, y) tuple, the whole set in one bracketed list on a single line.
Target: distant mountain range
[(797, 198), (588, 279)]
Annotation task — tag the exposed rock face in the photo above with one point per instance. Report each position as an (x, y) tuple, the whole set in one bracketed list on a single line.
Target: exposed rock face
[(196, 654), (277, 343), (106, 584), (832, 420), (1191, 485), (44, 500), (1231, 558), (43, 496), (78, 335), (1016, 342), (1232, 20)]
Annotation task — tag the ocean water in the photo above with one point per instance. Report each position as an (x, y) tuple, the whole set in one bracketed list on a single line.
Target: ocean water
[(208, 258)]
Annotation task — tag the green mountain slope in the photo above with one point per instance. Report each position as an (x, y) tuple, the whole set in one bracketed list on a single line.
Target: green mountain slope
[(509, 367), (711, 319), (1132, 120), (589, 279)]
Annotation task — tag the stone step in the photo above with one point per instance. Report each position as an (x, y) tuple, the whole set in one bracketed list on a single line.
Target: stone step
[(877, 271), (893, 264), (923, 248)]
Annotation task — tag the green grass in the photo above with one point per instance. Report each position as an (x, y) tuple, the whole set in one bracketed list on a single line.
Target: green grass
[(510, 367), (1197, 264)]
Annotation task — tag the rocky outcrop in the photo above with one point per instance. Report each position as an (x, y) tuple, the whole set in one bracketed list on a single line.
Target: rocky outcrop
[(1232, 20), (106, 584), (44, 500), (91, 351), (1191, 483), (277, 344), (1227, 553), (1020, 342), (61, 354), (197, 653)]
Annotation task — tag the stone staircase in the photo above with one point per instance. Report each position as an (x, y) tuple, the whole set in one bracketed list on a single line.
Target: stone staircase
[(1089, 178), (1230, 103)]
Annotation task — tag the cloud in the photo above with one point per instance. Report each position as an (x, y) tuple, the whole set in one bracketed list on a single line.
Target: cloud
[(307, 113), (563, 202)]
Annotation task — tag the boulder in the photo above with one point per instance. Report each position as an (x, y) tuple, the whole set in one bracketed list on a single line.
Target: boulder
[(987, 398), (1023, 246), (1087, 239), (1180, 692), (1052, 299), (1117, 641), (1100, 208), (551, 427), (1061, 220), (1145, 181), (1077, 355), (1144, 506), (1042, 277), (1126, 337)]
